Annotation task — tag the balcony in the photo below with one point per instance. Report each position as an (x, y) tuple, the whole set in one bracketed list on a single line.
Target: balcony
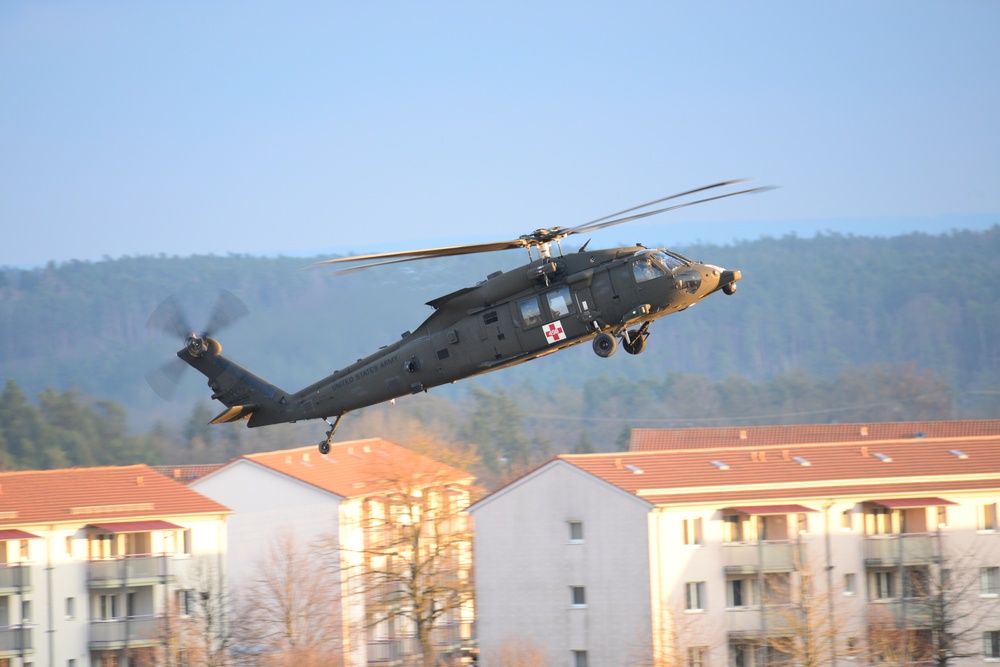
[(126, 632), (901, 549), (15, 578), (764, 556), (15, 640), (136, 570), (763, 621)]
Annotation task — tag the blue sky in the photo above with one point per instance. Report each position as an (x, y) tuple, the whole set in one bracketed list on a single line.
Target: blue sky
[(304, 127)]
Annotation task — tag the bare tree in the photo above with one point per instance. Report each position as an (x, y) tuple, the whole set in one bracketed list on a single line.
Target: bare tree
[(290, 614), (412, 566), (680, 640), (196, 626), (940, 616), (520, 653), (805, 623)]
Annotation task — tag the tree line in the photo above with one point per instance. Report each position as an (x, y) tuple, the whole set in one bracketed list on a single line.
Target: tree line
[(819, 306)]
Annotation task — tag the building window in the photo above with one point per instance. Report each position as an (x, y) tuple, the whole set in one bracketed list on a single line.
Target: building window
[(942, 516), (578, 596), (850, 584), (24, 551), (579, 659), (188, 547), (881, 585), (990, 580), (694, 592), (692, 531), (991, 645), (879, 521), (733, 528), (803, 523), (696, 656), (576, 532), (988, 517), (26, 611), (185, 603), (741, 592), (70, 608), (69, 546), (846, 521)]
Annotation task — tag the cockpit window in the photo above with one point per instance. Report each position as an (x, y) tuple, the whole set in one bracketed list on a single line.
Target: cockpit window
[(666, 260), (645, 269)]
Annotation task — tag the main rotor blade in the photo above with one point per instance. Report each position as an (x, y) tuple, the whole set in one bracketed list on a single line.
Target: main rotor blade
[(407, 255), (586, 225), (592, 227)]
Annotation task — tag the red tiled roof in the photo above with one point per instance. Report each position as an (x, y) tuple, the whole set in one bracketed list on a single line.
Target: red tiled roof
[(916, 468), (359, 467), (771, 509), (187, 473), (96, 494), (907, 503), (14, 534), (650, 439)]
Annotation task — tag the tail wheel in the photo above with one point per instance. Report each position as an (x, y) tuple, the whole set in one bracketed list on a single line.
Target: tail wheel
[(605, 344)]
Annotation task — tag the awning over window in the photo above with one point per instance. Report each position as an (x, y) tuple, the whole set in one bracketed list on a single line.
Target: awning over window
[(906, 503), (769, 509), (134, 526), (14, 534)]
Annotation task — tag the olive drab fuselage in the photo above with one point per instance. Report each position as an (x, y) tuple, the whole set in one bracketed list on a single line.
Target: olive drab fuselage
[(509, 318)]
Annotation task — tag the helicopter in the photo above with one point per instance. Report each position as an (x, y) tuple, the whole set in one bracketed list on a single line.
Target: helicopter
[(607, 297)]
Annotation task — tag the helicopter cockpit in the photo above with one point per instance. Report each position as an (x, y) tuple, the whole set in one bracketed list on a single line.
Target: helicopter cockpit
[(650, 264)]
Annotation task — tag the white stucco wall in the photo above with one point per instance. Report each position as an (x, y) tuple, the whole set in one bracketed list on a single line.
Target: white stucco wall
[(526, 565), (266, 505)]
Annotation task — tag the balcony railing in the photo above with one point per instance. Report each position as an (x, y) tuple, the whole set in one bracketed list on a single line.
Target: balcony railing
[(134, 569), (767, 620), (15, 640), (917, 612), (764, 556), (15, 577), (901, 549), (126, 632)]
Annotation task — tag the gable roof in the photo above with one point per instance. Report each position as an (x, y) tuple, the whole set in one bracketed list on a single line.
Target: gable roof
[(96, 494), (357, 468), (892, 468), (652, 439)]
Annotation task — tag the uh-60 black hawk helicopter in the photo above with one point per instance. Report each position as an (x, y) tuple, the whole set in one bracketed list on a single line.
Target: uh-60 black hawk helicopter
[(555, 301)]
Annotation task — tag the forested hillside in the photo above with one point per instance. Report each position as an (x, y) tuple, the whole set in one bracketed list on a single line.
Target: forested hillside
[(816, 326)]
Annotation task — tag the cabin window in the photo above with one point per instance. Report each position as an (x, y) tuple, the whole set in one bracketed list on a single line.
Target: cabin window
[(645, 269), (490, 317), (560, 302), (531, 313)]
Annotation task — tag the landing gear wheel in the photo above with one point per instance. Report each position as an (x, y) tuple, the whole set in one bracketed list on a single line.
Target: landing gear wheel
[(324, 448), (605, 344), (637, 344), (729, 289)]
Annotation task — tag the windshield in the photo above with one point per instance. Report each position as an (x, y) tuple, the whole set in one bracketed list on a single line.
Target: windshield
[(666, 260)]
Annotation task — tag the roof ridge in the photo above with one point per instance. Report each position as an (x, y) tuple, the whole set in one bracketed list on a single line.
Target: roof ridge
[(75, 468)]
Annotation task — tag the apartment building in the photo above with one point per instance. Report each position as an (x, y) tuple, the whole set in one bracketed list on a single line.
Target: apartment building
[(93, 563), (349, 510), (877, 545)]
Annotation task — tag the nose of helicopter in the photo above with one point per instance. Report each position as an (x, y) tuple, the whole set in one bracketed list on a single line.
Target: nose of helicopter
[(728, 279)]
